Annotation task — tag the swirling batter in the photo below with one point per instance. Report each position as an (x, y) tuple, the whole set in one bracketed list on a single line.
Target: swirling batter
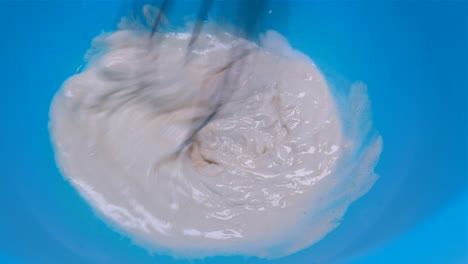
[(261, 178)]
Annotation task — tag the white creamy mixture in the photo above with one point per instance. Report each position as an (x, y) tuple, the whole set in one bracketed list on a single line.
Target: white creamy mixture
[(260, 179)]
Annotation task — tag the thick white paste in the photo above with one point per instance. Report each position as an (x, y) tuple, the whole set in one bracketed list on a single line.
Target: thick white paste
[(260, 179)]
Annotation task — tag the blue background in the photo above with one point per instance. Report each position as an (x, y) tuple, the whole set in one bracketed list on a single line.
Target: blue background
[(412, 55)]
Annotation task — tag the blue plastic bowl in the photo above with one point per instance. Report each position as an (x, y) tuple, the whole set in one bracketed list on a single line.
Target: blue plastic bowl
[(412, 56)]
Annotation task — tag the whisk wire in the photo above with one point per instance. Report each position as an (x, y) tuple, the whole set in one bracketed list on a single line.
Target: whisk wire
[(249, 13)]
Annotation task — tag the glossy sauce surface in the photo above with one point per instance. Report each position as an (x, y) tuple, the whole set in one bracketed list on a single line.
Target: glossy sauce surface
[(259, 179)]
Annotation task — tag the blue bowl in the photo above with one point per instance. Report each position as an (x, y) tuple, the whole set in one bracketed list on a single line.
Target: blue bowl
[(413, 57)]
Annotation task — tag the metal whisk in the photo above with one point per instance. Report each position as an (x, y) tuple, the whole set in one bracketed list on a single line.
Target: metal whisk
[(247, 19)]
